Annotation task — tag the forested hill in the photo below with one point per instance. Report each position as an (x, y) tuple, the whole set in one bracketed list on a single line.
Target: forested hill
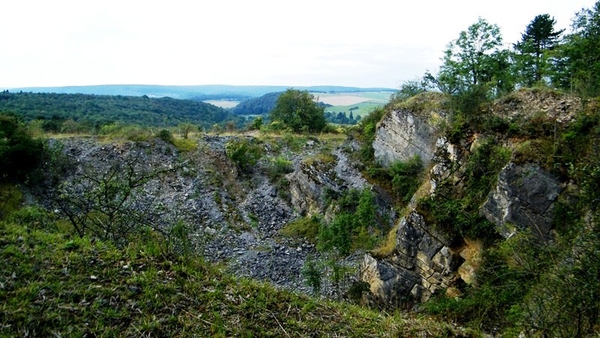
[(257, 106), (103, 109), (197, 93)]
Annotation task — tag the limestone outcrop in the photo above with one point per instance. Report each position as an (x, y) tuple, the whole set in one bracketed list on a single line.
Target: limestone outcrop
[(523, 199), (426, 260), (401, 135), (422, 262)]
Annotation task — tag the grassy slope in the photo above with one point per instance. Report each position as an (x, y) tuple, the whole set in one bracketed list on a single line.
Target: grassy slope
[(53, 285)]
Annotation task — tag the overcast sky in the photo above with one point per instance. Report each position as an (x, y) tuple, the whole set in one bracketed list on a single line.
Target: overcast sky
[(375, 43)]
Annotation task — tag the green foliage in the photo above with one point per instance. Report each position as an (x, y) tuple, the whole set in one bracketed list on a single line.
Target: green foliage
[(186, 128), (165, 135), (134, 133), (509, 271), (475, 59), (534, 49), (298, 111), (353, 227), (257, 106), (279, 166), (482, 169), (186, 144), (244, 153), (576, 66), (403, 178), (19, 152), (11, 198), (92, 288), (457, 211), (409, 89), (311, 271), (366, 134), (306, 227), (92, 111), (256, 124)]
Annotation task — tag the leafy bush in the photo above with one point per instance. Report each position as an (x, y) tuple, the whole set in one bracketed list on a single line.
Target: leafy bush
[(244, 153), (165, 135), (366, 134), (353, 227), (279, 166), (298, 110), (19, 152), (403, 178)]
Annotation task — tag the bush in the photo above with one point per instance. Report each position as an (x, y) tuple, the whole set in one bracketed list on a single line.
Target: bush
[(307, 227), (402, 178), (20, 154), (165, 135), (243, 153), (279, 166), (353, 227)]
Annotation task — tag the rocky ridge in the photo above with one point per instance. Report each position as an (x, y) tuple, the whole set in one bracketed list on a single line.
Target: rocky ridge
[(426, 260)]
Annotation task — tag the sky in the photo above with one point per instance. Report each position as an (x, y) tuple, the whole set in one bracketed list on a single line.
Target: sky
[(375, 43)]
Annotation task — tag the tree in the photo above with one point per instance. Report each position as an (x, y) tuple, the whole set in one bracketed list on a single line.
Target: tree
[(19, 152), (532, 51), (578, 64), (411, 88), (186, 128), (298, 111), (112, 200), (474, 59)]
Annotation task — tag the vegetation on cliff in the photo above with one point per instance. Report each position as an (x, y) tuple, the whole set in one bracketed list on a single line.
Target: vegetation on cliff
[(107, 268)]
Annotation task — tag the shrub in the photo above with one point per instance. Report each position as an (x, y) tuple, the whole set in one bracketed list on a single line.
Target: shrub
[(165, 135), (307, 227), (243, 153), (279, 166), (20, 154), (353, 227)]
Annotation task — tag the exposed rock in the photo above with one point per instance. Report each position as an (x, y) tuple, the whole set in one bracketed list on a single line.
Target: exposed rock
[(471, 252), (422, 263), (526, 102), (522, 199), (401, 135), (308, 184), (314, 177)]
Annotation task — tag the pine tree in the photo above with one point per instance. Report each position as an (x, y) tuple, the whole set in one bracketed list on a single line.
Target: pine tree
[(532, 58)]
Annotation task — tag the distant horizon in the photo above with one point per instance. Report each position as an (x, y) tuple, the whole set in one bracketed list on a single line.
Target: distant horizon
[(194, 92), (196, 85)]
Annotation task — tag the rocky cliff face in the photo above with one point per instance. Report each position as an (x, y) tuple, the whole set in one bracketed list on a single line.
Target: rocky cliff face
[(426, 260), (402, 134), (315, 177), (423, 261), (523, 199)]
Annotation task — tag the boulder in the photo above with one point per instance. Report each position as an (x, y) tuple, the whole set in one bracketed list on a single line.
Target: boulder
[(523, 199)]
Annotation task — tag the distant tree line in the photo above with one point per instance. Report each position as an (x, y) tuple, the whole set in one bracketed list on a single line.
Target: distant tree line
[(341, 118), (59, 111)]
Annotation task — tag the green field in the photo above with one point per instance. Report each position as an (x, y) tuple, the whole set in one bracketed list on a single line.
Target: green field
[(360, 103)]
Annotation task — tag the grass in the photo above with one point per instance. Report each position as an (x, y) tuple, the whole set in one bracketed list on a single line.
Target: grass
[(388, 246), (360, 109), (57, 285), (306, 227)]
